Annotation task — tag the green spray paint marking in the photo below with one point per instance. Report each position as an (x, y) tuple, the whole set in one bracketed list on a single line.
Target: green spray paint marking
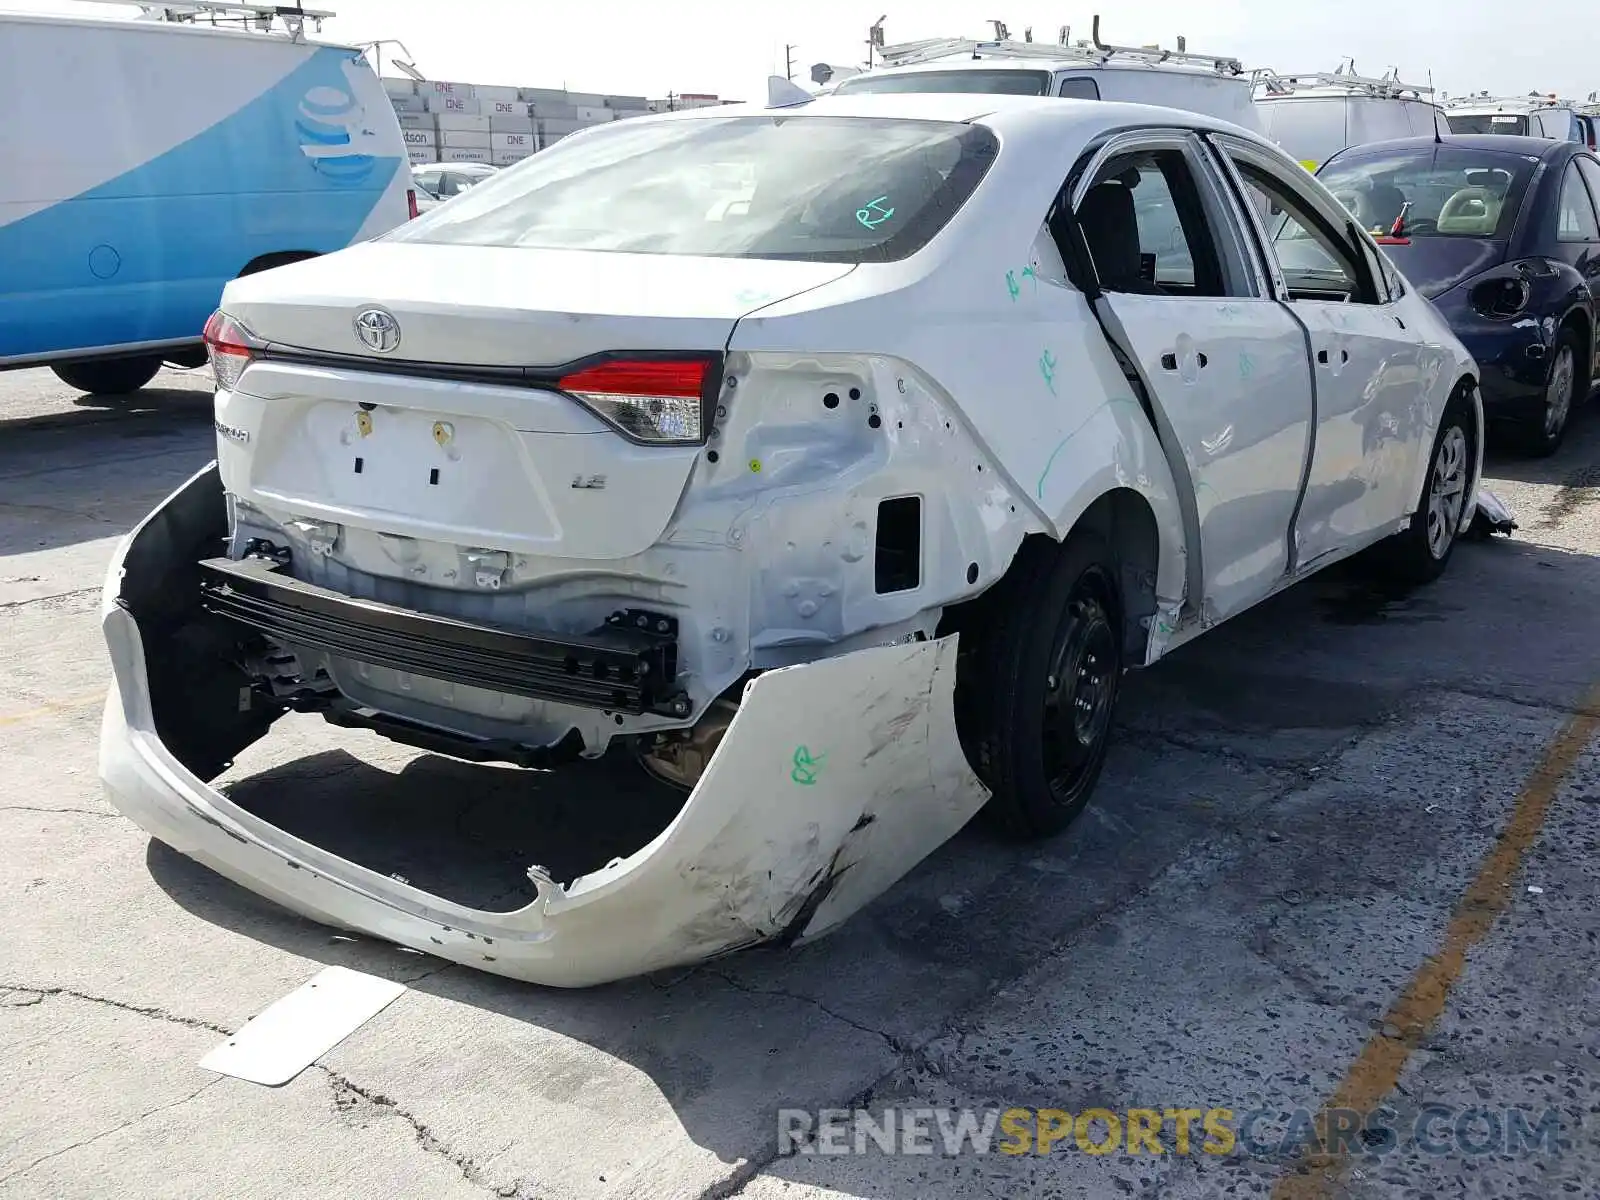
[(1012, 285), (874, 214), (805, 767), (1047, 368)]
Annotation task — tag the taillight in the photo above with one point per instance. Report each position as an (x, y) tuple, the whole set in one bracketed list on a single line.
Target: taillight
[(660, 401), (411, 203), (231, 347)]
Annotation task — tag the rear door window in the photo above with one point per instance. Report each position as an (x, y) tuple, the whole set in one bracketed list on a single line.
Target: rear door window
[(1079, 87), (1004, 82), (1489, 123)]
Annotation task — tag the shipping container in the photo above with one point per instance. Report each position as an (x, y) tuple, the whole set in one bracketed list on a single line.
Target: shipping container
[(463, 121), (462, 91), (592, 99), (626, 102), (536, 95), (552, 108), (452, 104), (463, 154), (558, 128), (507, 158), (400, 87), (488, 93), (464, 139), (511, 125), (417, 121), (423, 154), (419, 137), (513, 141), (409, 104), (504, 108), (591, 113)]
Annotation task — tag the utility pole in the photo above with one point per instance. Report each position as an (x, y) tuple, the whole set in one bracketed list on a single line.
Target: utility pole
[(788, 62), (875, 38)]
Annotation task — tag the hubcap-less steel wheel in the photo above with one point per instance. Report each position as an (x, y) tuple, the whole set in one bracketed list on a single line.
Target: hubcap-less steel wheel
[(1078, 691), (1447, 491), (1558, 396)]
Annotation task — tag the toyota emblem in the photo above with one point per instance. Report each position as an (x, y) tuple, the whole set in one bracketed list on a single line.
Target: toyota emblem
[(377, 330)]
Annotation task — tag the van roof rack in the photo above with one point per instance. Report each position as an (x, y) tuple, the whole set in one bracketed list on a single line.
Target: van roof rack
[(259, 17), (1526, 103), (1387, 86), (1090, 51)]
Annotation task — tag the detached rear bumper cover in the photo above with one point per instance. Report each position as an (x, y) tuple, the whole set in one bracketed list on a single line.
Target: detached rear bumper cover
[(834, 779)]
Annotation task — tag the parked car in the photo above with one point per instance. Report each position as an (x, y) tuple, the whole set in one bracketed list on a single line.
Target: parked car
[(181, 156), (1314, 116), (1501, 233), (843, 506), (443, 180)]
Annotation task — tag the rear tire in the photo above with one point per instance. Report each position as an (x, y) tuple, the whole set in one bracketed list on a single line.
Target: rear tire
[(1566, 385), (108, 376), (1420, 554), (1039, 684)]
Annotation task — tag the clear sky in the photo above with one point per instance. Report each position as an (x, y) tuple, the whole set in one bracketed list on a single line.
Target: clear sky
[(648, 47)]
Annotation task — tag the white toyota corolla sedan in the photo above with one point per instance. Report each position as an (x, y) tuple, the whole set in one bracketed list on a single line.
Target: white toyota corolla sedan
[(834, 460)]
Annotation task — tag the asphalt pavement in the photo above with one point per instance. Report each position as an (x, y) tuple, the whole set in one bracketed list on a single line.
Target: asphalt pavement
[(1343, 857)]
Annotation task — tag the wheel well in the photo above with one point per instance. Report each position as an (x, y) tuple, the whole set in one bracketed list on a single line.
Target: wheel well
[(278, 258), (1125, 521)]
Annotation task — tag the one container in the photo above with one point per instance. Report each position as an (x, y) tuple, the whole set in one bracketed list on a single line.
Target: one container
[(441, 103), (503, 108), (461, 91), (464, 154), (513, 141), (464, 139), (464, 122)]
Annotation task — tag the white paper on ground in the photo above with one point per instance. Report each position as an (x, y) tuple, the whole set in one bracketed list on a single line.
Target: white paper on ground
[(292, 1033)]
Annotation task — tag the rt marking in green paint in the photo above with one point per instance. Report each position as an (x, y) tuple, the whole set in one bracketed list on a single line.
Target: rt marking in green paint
[(805, 766)]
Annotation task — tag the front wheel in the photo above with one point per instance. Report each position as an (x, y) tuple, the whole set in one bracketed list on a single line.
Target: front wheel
[(108, 376), (1421, 553), (1040, 683)]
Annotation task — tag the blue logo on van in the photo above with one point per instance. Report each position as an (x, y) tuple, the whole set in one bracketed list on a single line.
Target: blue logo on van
[(333, 134)]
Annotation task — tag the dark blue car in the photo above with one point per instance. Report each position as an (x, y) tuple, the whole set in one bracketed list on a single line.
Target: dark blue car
[(1502, 234)]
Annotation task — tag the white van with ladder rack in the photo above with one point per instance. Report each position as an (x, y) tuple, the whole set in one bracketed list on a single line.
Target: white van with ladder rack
[(1314, 115), (1090, 69), (1537, 115)]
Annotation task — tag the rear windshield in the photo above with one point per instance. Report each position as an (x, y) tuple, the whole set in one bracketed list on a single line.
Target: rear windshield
[(1010, 83), (824, 189), (1453, 191), (1489, 123)]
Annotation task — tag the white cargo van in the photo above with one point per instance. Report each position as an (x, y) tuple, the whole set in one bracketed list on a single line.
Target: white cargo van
[(1085, 70), (1533, 115), (151, 160), (1315, 115)]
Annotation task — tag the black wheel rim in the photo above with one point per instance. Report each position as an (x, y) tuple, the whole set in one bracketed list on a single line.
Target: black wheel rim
[(1079, 691)]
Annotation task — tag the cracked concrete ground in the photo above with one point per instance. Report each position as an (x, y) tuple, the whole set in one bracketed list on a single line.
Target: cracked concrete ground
[(1292, 811)]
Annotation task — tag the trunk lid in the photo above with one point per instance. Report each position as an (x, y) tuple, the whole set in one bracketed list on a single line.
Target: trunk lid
[(493, 306), (475, 461)]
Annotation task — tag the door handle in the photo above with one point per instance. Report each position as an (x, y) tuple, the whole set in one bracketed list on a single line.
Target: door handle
[(1322, 357), (1169, 361)]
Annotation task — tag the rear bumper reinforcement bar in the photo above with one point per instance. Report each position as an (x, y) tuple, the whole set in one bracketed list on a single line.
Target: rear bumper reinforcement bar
[(617, 669)]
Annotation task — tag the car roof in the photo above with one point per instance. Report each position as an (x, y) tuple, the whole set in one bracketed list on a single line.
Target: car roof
[(1493, 143), (1003, 112)]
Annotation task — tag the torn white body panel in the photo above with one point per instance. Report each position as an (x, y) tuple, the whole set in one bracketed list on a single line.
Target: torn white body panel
[(834, 778)]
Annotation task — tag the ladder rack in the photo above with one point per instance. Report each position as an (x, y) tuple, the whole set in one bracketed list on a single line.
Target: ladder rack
[(1528, 103), (1086, 52), (231, 12), (1387, 87)]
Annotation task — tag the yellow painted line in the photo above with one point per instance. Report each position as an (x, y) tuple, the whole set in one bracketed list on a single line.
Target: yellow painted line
[(55, 708), (1376, 1071)]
